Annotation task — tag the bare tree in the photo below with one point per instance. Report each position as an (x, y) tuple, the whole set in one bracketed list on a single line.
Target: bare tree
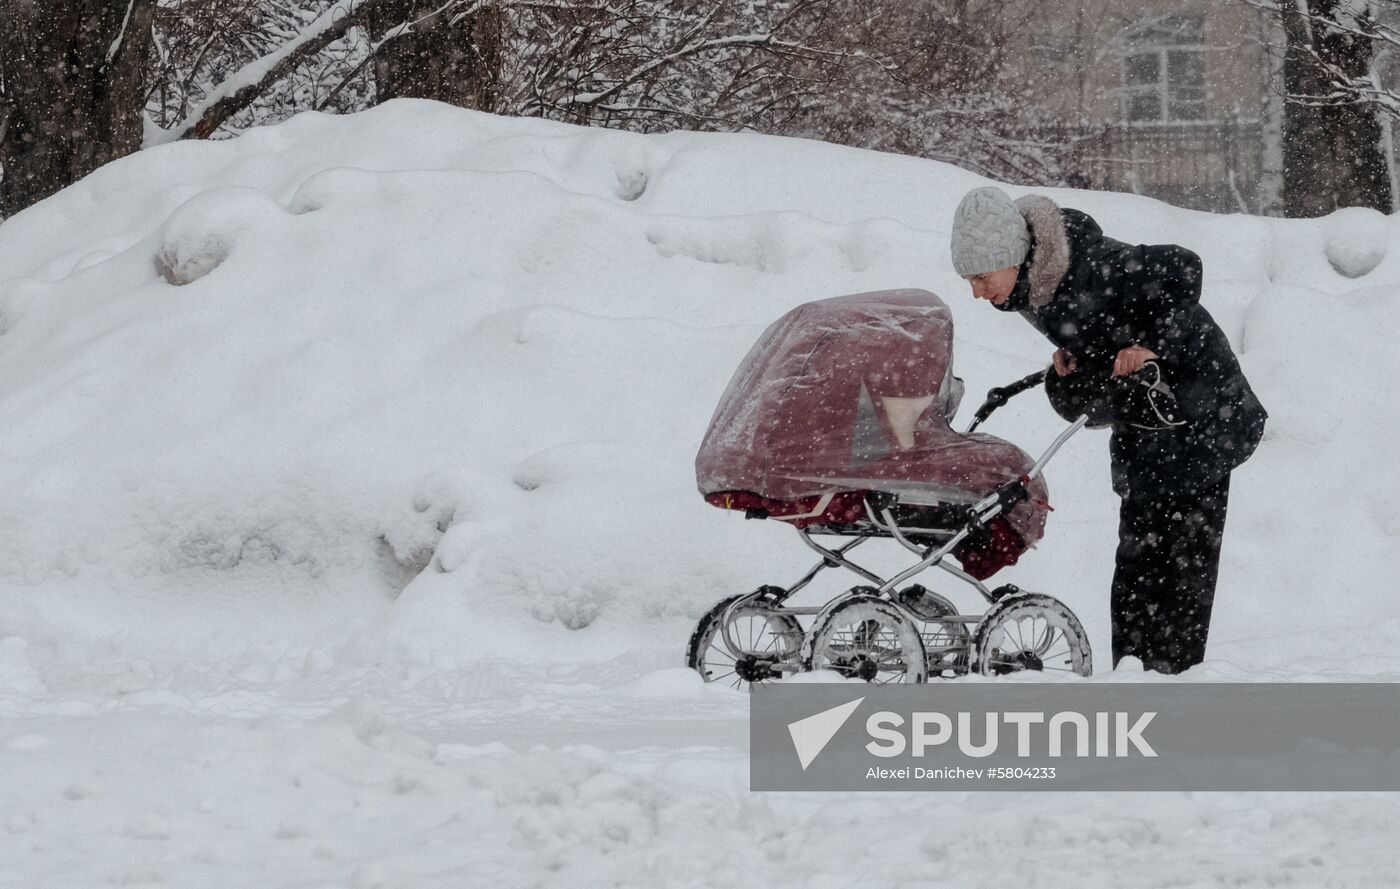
[(73, 76), (270, 44), (449, 52), (645, 64), (658, 64), (1333, 138), (916, 77), (931, 79), (204, 47)]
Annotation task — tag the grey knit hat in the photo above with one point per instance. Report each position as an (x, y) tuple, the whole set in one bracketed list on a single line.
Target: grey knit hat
[(989, 233)]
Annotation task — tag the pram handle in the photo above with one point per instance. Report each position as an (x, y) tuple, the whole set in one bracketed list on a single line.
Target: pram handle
[(1055, 445), (1000, 395), (1004, 498)]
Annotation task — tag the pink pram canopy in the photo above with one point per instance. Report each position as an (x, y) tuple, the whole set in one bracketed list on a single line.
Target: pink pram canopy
[(851, 395)]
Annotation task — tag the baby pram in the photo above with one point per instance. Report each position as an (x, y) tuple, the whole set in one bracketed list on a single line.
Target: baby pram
[(838, 423)]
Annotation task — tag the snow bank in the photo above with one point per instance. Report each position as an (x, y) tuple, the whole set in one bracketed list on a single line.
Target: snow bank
[(272, 380)]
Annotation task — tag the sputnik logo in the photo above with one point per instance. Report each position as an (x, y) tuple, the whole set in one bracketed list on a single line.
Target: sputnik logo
[(811, 735)]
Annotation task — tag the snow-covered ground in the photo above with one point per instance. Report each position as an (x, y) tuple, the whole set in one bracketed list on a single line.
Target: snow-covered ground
[(348, 530)]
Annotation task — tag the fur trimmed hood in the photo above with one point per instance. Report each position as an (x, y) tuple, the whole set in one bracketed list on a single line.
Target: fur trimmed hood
[(1052, 254)]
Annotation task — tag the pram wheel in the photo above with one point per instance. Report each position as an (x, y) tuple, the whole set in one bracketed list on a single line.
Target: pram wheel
[(865, 636), (1030, 631), (945, 642), (770, 637)]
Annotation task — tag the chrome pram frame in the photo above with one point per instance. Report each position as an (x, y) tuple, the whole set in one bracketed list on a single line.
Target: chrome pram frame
[(930, 636)]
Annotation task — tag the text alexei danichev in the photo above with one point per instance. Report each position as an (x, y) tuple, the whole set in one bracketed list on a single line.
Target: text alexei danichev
[(957, 773)]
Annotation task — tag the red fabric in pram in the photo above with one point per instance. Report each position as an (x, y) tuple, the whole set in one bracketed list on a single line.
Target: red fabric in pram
[(822, 404), (844, 508)]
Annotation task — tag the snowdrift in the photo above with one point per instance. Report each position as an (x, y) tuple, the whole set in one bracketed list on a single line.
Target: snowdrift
[(346, 495), (269, 385)]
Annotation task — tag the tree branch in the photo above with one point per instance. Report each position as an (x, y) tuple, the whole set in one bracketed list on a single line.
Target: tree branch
[(245, 85)]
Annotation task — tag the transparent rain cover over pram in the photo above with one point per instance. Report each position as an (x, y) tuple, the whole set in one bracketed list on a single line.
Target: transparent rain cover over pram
[(853, 395)]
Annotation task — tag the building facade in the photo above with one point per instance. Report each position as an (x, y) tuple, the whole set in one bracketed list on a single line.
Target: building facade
[(1178, 101)]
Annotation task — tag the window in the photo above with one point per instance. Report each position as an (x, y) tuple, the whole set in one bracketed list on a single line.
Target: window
[(1164, 71)]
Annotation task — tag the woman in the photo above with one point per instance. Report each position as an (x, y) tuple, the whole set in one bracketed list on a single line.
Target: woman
[(1128, 324)]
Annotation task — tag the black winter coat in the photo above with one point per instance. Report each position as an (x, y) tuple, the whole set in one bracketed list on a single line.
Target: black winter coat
[(1111, 295)]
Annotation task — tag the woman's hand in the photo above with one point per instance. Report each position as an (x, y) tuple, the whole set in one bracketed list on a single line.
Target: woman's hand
[(1064, 362), (1130, 359)]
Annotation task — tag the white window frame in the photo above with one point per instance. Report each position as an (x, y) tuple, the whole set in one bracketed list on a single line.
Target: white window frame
[(1162, 88)]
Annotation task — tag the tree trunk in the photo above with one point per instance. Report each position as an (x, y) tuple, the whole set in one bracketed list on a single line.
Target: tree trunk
[(455, 62), (1269, 194), (66, 108), (1333, 153)]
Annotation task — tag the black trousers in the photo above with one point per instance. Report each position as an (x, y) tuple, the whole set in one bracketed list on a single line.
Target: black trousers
[(1164, 576)]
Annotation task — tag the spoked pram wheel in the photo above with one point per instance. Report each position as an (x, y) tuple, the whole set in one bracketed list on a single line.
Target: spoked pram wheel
[(1030, 631), (767, 638), (946, 642), (865, 636)]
